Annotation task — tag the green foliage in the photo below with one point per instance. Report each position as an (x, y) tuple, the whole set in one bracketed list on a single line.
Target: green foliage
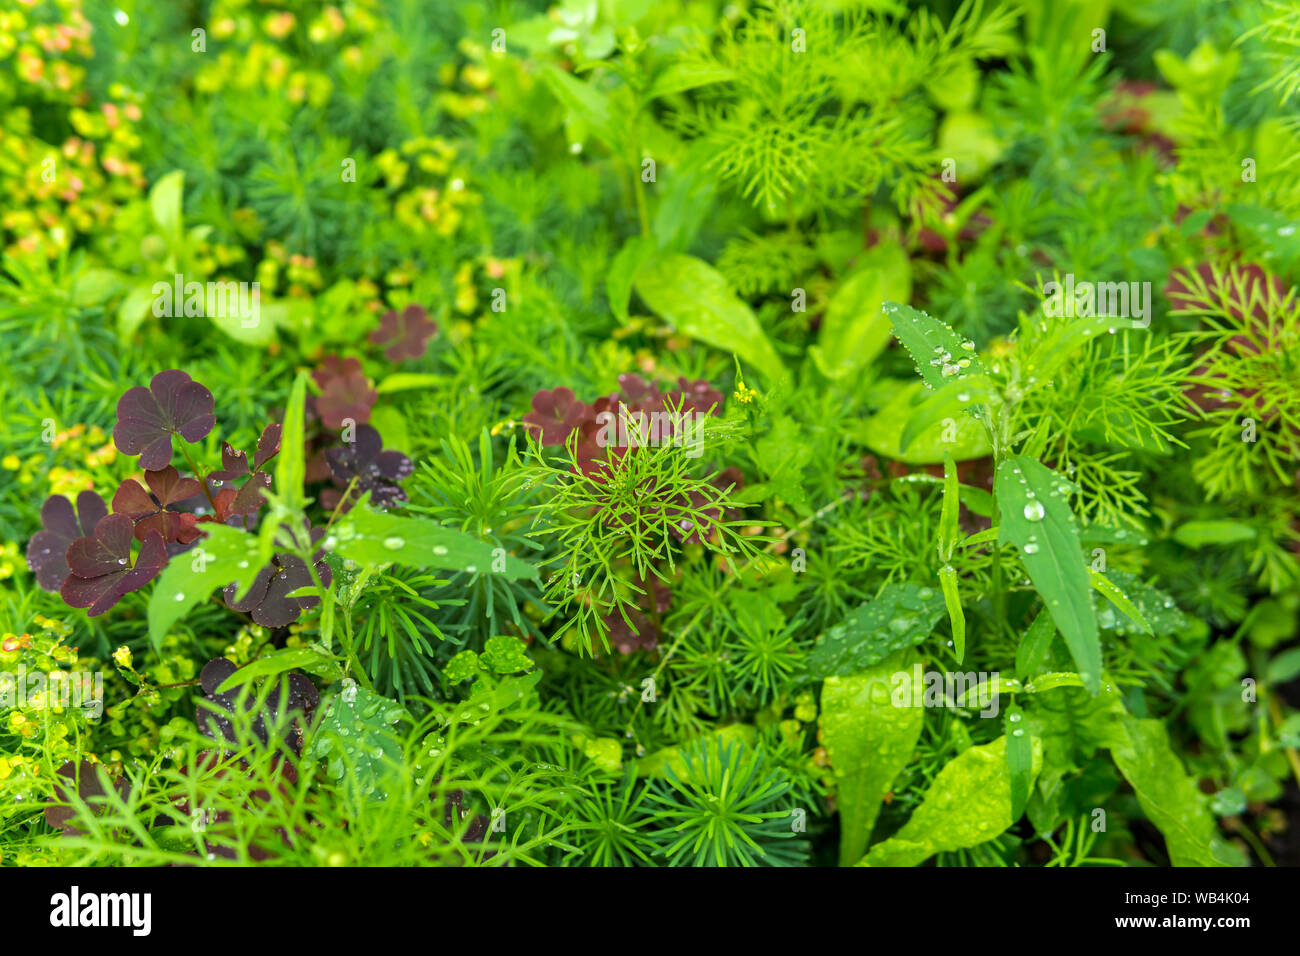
[(842, 235)]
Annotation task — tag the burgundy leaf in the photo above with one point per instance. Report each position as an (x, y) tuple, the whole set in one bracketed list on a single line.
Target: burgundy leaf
[(268, 446), (102, 573), (555, 415), (173, 404), (60, 526), (406, 334)]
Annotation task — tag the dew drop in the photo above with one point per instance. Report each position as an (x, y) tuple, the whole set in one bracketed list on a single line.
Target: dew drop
[(1034, 511), (394, 543)]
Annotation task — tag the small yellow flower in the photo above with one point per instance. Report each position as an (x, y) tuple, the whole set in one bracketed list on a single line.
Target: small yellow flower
[(744, 394), (11, 463), (123, 656)]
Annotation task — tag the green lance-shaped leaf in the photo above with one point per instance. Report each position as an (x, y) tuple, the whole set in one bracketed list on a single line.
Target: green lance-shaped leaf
[(1112, 593), (694, 298), (1035, 645), (223, 556), (585, 102), (1020, 759), (1168, 796), (902, 616), (286, 659), (365, 535), (940, 354), (636, 252), (956, 616), (951, 508), (290, 466), (1198, 534), (854, 329), (1036, 518), (968, 802), (868, 740)]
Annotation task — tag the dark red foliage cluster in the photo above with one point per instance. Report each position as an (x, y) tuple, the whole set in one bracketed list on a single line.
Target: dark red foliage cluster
[(611, 426), (346, 394), (86, 553), (603, 432), (404, 335), (358, 453), (300, 698)]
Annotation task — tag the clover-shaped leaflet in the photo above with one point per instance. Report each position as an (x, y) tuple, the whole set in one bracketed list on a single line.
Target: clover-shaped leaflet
[(147, 418), (102, 571), (153, 510), (267, 600), (375, 469), (406, 333), (230, 501), (555, 415), (60, 526), (346, 393)]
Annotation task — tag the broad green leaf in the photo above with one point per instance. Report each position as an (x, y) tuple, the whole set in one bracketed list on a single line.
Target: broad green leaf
[(680, 76), (290, 468), (1284, 668), (165, 199), (1046, 682), (636, 252), (940, 354), (954, 400), (585, 102), (278, 662), (402, 381), (135, 308), (694, 298), (854, 330), (902, 616), (1168, 796), (358, 740), (1107, 588), (1197, 534), (92, 287), (1036, 518), (391, 424), (1063, 344), (869, 741), (232, 309), (783, 455), (1035, 645), (1092, 534), (956, 616), (222, 556), (968, 803), (883, 432), (365, 535)]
